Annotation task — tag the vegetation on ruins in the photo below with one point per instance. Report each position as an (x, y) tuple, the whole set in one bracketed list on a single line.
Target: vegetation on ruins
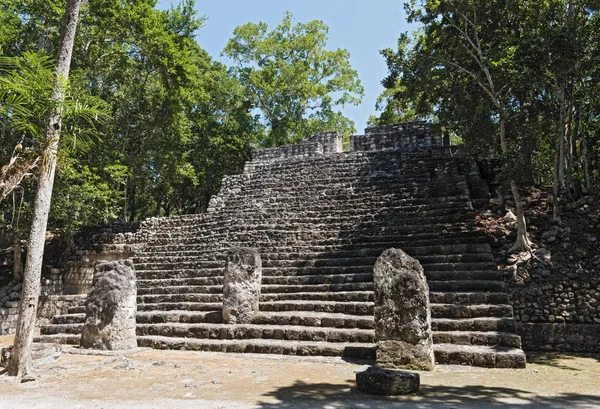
[(21, 355), (293, 80), (525, 71)]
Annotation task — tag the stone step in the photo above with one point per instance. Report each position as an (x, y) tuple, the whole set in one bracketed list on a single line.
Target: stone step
[(62, 339), (314, 319), (381, 243), (470, 311), (318, 279), (467, 286), (78, 309), (479, 355), (54, 329), (333, 288), (491, 338), (69, 319), (341, 296), (262, 346), (326, 270), (186, 289), (186, 306), (457, 275), (337, 253), (177, 272), (352, 308), (324, 260), (252, 331), (175, 282), (179, 298), (475, 297), (483, 324), (178, 316)]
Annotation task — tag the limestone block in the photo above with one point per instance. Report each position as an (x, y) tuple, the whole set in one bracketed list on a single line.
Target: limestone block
[(41, 353), (402, 314), (387, 382), (241, 285), (111, 307)]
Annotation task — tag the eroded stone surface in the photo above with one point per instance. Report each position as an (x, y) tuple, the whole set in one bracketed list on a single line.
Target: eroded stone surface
[(381, 381), (111, 308), (41, 353), (241, 285), (402, 314)]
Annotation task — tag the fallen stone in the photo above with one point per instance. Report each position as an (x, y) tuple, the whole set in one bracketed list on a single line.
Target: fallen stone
[(387, 382), (510, 217), (402, 314), (111, 308), (241, 286), (41, 353)]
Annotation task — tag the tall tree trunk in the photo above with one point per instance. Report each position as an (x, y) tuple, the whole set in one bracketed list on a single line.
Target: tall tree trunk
[(569, 153), (522, 243), (555, 195), (17, 263), (586, 169), (561, 137), (20, 363)]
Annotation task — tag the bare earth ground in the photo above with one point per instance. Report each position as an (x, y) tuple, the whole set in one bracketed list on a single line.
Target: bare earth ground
[(180, 379)]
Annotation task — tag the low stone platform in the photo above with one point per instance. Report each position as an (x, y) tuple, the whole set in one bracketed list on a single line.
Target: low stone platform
[(387, 382)]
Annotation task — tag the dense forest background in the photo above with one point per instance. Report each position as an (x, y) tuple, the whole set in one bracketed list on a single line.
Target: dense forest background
[(152, 122)]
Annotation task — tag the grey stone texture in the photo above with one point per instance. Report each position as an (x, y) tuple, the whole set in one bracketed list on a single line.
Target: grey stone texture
[(241, 286), (402, 313), (379, 381), (41, 353), (319, 222), (111, 307)]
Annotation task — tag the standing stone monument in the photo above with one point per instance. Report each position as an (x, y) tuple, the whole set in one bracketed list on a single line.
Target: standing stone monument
[(111, 307), (241, 285), (402, 314)]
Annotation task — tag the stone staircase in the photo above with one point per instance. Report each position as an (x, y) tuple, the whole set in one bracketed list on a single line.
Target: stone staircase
[(319, 222)]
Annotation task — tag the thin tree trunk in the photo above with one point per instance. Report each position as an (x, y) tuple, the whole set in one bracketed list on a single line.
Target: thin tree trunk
[(17, 263), (522, 243), (569, 153), (561, 138), (20, 363), (586, 170), (555, 208)]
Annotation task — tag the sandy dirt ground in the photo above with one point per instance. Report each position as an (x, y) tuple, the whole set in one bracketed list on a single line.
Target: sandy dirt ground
[(183, 379)]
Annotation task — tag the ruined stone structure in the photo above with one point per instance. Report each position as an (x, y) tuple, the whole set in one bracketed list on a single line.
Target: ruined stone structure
[(320, 218), (110, 308)]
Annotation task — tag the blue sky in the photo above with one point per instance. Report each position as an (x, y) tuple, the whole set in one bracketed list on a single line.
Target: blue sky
[(362, 27)]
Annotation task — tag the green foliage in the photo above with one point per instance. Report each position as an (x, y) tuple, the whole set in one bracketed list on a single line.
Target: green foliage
[(469, 64), (293, 80), (85, 196)]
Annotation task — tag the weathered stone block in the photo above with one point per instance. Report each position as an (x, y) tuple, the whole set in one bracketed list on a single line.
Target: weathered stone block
[(387, 382), (241, 285), (41, 353), (402, 314), (111, 308)]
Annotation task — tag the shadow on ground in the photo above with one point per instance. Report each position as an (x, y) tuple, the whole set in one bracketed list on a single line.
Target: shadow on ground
[(347, 396), (558, 359)]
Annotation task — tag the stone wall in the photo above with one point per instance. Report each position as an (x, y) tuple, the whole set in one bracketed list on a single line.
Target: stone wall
[(560, 337), (559, 314), (320, 144), (409, 136), (8, 317)]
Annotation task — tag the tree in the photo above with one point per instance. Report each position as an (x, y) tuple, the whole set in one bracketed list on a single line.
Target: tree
[(19, 365), (293, 80), (462, 43)]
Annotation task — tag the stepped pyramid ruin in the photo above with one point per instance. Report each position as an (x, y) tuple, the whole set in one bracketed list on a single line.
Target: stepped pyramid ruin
[(319, 218)]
